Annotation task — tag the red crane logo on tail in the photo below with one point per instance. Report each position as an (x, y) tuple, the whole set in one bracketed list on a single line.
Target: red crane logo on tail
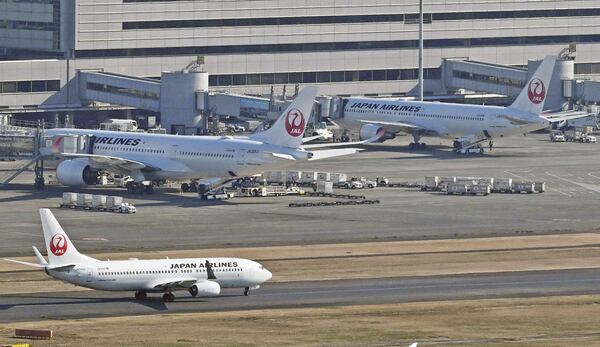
[(294, 122), (58, 245), (536, 91)]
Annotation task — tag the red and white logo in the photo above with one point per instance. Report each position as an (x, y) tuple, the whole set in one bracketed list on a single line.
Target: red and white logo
[(294, 123), (58, 245), (537, 91)]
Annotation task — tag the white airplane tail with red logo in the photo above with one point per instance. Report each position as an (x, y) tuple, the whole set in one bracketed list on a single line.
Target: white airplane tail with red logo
[(532, 97), (289, 127), (61, 250)]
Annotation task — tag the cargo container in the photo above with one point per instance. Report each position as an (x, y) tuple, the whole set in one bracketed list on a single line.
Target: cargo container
[(523, 187), (99, 202), (113, 202), (272, 177), (431, 183), (481, 188), (69, 200), (457, 188), (84, 201), (323, 176), (324, 187), (294, 176), (502, 185), (308, 177), (339, 178)]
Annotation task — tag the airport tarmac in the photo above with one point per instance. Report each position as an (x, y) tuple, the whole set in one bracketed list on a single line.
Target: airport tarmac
[(175, 221), (88, 304)]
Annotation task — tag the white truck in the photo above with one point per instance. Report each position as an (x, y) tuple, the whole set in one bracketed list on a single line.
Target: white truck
[(320, 129)]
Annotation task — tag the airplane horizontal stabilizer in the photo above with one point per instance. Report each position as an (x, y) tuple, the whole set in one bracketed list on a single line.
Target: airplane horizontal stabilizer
[(26, 263), (330, 153), (563, 116)]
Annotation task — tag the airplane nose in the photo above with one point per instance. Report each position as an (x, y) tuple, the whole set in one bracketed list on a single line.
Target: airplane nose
[(267, 275)]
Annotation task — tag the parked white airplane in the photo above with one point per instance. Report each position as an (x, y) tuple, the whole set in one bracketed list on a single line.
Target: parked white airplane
[(467, 125), (199, 276), (156, 157)]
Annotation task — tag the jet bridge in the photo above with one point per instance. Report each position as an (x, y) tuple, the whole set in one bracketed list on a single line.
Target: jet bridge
[(461, 73), (116, 89)]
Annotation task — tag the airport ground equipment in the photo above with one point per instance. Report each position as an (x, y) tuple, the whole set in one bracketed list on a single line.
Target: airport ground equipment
[(96, 203), (69, 200), (478, 185), (84, 201), (334, 203)]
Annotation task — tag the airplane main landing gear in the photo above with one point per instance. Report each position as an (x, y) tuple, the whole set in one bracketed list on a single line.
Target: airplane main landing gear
[(168, 297), (140, 295), (417, 146), (246, 291), (139, 188)]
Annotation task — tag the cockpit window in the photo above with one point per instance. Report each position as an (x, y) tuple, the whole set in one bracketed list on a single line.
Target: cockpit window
[(261, 267)]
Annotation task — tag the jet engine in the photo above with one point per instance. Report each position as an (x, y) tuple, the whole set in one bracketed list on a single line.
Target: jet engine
[(76, 172), (205, 289), (368, 131)]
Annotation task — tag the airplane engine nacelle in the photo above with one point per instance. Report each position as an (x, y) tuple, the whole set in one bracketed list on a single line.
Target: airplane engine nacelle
[(208, 288), (76, 172), (368, 131)]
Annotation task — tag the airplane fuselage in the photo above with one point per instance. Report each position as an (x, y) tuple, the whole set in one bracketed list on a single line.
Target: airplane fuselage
[(181, 157), (444, 120), (133, 275)]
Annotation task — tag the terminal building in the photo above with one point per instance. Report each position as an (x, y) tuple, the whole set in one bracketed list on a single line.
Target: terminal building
[(80, 61)]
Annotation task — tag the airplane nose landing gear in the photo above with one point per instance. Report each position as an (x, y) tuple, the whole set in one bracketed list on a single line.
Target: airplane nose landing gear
[(246, 291)]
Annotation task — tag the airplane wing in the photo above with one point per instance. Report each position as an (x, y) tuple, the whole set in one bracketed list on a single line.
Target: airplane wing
[(107, 162), (401, 126), (563, 116), (175, 284), (330, 153), (127, 165), (310, 138), (341, 144)]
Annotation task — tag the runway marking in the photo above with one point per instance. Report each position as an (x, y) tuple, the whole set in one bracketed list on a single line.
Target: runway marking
[(547, 186), (587, 186), (592, 175)]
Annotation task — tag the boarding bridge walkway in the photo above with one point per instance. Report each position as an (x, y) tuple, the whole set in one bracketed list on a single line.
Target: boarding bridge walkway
[(461, 73), (117, 89)]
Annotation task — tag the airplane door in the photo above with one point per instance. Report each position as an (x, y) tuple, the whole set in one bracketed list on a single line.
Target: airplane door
[(174, 152), (241, 156), (88, 279)]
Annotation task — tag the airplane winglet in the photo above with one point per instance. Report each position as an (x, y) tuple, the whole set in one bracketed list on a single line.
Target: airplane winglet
[(39, 257)]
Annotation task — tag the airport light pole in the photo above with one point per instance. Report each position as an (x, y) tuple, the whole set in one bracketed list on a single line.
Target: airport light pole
[(420, 50)]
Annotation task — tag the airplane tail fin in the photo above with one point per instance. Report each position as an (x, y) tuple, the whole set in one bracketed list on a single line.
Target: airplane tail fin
[(61, 250), (532, 97), (289, 127)]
